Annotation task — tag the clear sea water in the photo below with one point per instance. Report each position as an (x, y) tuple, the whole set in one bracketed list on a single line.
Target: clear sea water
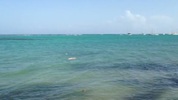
[(107, 67)]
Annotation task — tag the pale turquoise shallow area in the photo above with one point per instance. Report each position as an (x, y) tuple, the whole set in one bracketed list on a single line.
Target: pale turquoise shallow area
[(107, 67)]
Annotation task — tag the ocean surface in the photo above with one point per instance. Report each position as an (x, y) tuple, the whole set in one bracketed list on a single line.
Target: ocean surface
[(88, 67)]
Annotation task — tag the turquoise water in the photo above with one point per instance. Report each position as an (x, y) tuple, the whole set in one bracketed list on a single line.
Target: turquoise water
[(104, 67)]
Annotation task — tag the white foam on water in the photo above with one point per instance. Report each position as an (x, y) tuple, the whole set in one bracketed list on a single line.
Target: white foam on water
[(72, 58)]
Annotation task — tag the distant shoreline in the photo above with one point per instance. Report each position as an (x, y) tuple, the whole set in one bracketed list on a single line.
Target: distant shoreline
[(97, 34)]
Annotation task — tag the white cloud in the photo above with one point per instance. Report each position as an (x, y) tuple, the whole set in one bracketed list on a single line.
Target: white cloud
[(161, 18), (136, 23), (135, 18)]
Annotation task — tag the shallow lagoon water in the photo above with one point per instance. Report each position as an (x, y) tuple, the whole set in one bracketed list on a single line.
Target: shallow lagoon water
[(107, 67)]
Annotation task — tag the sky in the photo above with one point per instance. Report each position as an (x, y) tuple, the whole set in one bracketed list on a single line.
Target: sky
[(88, 16)]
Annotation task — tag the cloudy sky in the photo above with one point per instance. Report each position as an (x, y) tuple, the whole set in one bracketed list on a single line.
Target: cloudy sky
[(88, 16)]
